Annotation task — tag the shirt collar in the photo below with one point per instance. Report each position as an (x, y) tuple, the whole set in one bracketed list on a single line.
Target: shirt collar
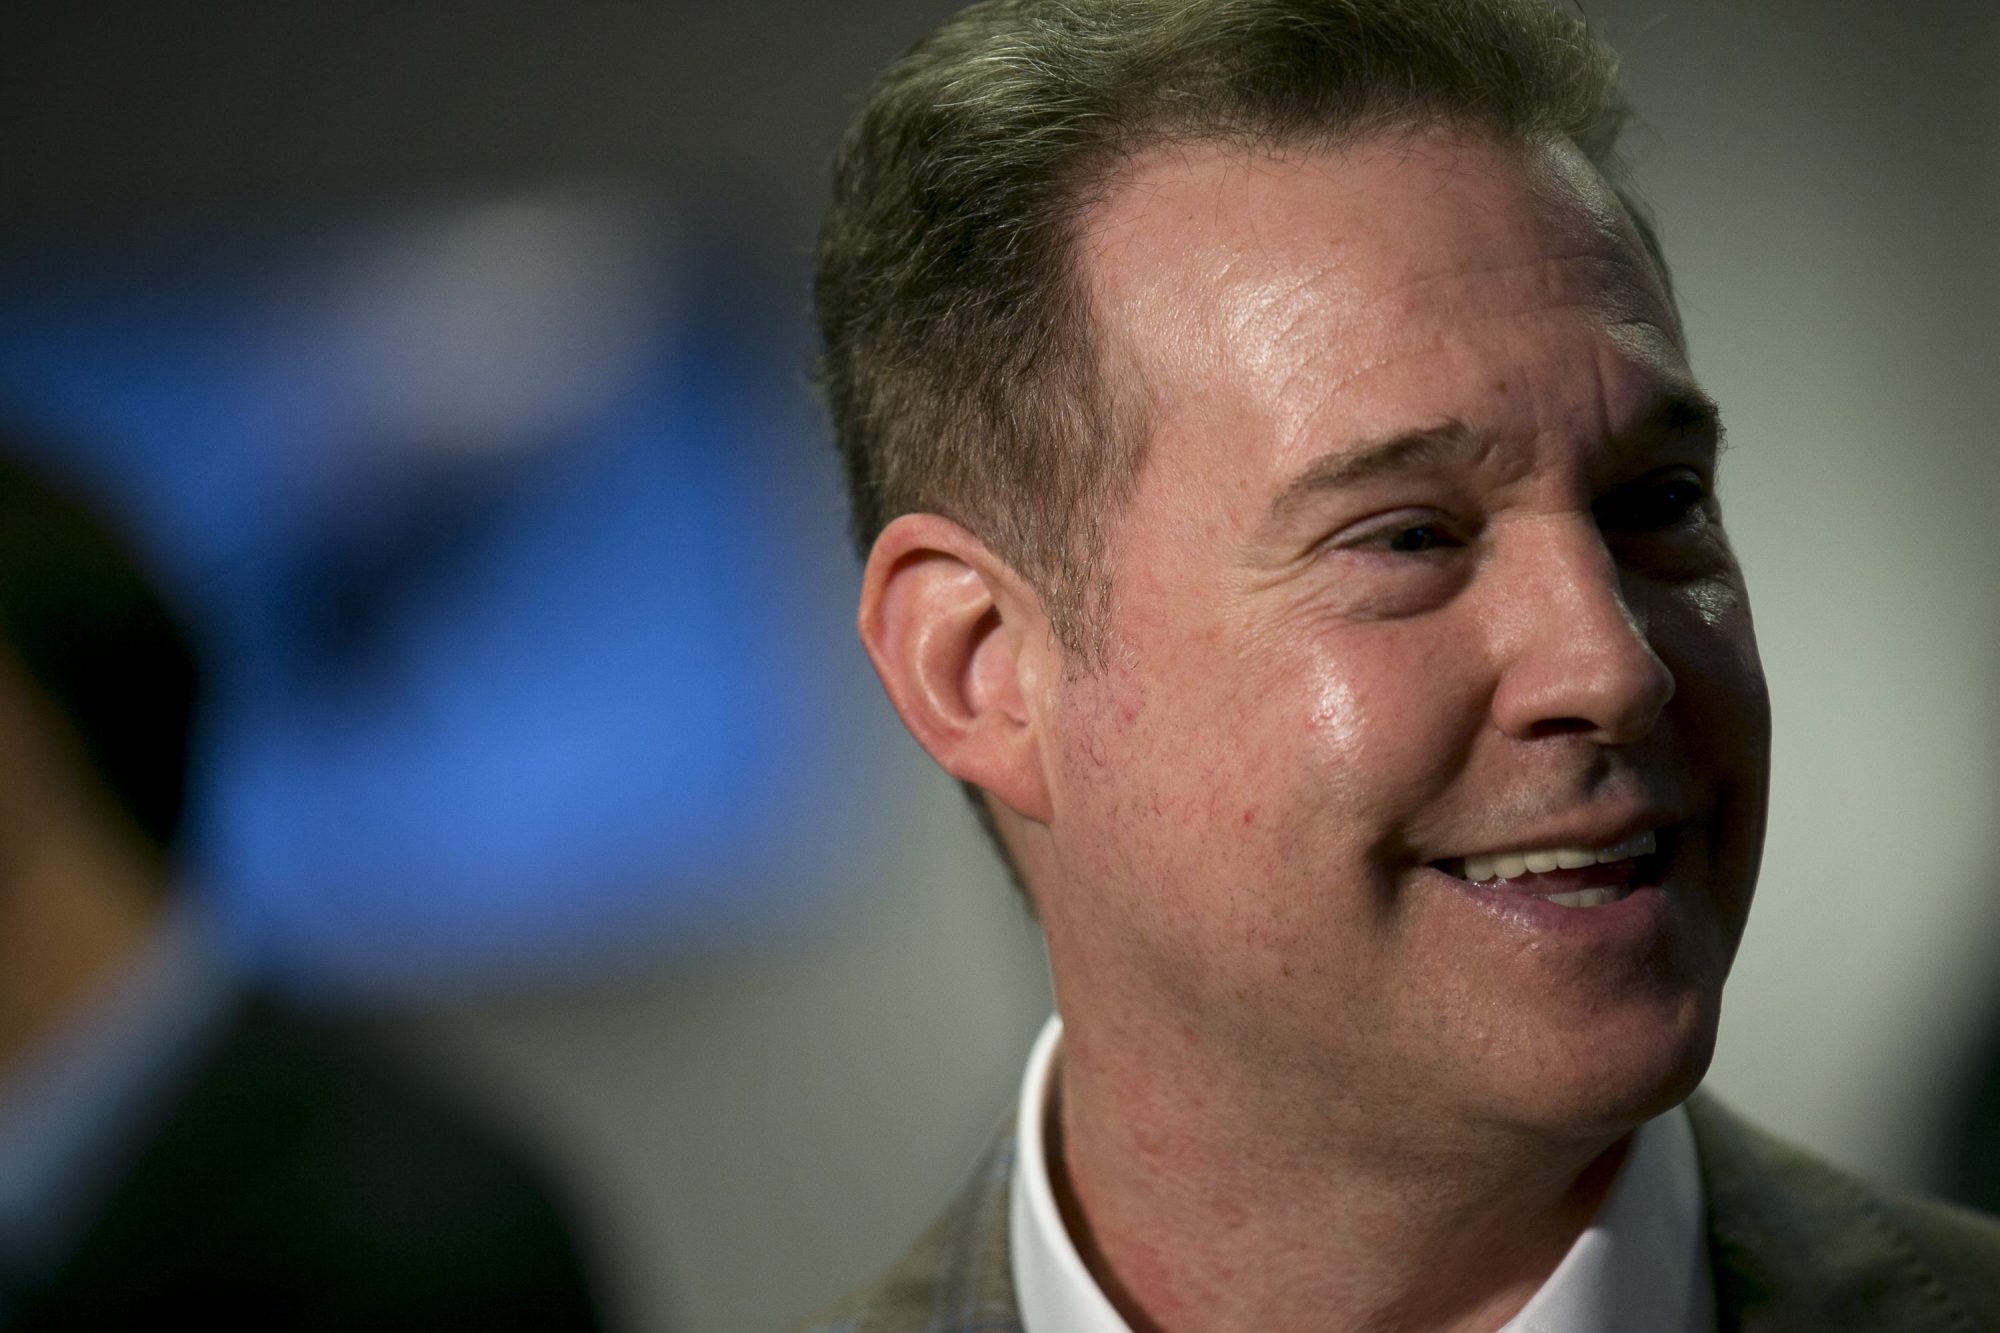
[(1637, 1267), (1055, 1292)]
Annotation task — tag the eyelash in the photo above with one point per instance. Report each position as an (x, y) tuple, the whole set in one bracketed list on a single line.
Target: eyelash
[(1437, 538), (1625, 509), (1654, 503), (1383, 535)]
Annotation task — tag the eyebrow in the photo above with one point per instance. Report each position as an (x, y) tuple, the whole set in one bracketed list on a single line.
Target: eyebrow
[(1673, 414), (1683, 412), (1407, 452)]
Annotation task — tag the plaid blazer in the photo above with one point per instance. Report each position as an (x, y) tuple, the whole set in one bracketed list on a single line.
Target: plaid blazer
[(1796, 1246)]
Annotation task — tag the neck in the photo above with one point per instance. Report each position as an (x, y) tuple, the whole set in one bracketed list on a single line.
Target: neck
[(1200, 1206), (75, 910)]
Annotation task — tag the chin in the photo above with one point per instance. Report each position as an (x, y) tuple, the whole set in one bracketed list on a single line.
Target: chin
[(1635, 1093), (1621, 1076)]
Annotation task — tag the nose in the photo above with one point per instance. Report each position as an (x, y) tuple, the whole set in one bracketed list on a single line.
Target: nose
[(1575, 659)]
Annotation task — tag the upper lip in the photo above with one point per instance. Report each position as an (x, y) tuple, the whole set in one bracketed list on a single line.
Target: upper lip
[(1587, 831)]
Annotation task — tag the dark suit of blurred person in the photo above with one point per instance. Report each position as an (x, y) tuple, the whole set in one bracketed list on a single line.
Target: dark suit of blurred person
[(175, 1150)]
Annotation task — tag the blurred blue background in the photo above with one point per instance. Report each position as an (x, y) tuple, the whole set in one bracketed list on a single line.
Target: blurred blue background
[(449, 363), (501, 522)]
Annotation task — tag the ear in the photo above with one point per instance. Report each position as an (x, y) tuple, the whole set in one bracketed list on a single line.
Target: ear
[(961, 645)]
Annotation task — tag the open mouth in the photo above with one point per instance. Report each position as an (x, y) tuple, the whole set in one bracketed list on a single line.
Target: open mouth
[(1579, 877)]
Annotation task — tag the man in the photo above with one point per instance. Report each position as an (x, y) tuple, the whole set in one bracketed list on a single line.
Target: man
[(1288, 505), (172, 1153)]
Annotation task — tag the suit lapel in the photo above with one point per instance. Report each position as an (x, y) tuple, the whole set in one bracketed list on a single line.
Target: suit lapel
[(958, 1277), (975, 1293), (1798, 1247)]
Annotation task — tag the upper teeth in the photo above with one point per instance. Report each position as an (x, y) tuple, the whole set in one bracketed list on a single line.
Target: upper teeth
[(1511, 865)]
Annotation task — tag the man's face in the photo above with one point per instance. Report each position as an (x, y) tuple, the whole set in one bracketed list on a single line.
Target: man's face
[(1423, 571)]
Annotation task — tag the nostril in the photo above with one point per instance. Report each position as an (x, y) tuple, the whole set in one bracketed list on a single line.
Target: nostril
[(1562, 726)]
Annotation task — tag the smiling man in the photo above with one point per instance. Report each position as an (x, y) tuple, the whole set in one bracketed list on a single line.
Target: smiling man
[(1289, 509)]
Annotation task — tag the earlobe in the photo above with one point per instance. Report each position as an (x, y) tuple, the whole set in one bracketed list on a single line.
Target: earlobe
[(956, 637)]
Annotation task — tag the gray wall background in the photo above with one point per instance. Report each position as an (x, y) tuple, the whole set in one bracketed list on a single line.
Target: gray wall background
[(757, 1128)]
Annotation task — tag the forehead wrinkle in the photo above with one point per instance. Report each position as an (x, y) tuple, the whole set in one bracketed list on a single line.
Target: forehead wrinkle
[(1293, 316), (1610, 286), (1613, 292), (1290, 300), (1635, 346), (1278, 321)]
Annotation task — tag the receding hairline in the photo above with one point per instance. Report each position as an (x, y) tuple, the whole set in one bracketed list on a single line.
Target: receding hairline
[(981, 154), (1551, 162), (1117, 363)]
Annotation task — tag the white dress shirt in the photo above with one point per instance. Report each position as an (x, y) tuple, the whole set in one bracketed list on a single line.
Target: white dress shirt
[(1639, 1267)]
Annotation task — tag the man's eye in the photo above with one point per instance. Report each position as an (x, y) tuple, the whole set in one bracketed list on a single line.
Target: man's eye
[(1653, 504), (1418, 537), (1413, 531)]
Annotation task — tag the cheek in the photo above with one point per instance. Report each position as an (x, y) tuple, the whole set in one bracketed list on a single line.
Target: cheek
[(1335, 716), (1203, 740), (1724, 712), (1705, 634), (1389, 721), (1169, 789)]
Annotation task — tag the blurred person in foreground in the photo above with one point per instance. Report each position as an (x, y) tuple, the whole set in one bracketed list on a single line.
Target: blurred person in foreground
[(173, 1151), (1288, 506)]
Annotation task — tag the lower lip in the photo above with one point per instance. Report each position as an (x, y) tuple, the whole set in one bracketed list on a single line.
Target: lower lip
[(1640, 912)]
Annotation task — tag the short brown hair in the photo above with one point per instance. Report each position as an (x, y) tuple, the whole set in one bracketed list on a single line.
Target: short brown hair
[(959, 364)]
